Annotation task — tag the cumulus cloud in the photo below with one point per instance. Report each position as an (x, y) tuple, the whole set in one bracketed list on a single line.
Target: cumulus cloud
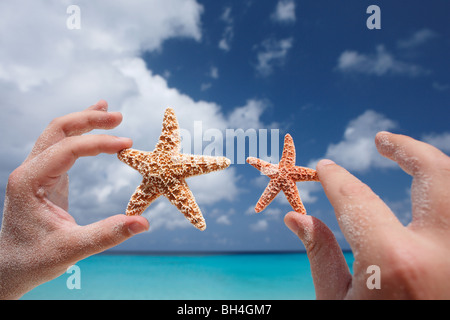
[(272, 53), (260, 225), (228, 33), (47, 70), (284, 12), (440, 141), (379, 63), (248, 116), (224, 219), (107, 30), (356, 151), (417, 39), (63, 71)]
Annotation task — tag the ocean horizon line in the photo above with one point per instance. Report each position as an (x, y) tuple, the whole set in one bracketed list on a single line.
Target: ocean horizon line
[(202, 253)]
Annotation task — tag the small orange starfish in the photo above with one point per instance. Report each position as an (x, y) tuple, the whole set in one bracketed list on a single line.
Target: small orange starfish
[(165, 170), (283, 176)]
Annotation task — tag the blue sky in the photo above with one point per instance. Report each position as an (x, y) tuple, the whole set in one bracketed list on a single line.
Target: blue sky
[(309, 68)]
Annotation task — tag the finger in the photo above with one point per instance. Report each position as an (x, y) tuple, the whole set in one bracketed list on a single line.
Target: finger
[(59, 158), (430, 169), (105, 234), (330, 272), (101, 105), (81, 122), (413, 156), (76, 124), (363, 217)]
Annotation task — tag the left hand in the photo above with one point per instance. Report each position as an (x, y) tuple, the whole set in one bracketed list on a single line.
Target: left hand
[(39, 239)]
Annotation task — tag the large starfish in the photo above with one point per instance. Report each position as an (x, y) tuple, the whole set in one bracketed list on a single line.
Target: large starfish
[(165, 170), (283, 176)]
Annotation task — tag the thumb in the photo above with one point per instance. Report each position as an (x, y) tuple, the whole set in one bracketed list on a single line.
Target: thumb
[(107, 233), (330, 272)]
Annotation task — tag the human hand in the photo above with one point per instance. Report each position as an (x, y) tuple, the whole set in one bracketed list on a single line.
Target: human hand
[(39, 239), (413, 261)]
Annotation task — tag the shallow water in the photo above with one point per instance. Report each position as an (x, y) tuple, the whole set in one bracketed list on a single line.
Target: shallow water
[(219, 276)]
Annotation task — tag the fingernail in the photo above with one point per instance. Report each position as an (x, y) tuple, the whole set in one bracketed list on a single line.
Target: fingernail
[(136, 228), (303, 227), (292, 225), (102, 104), (325, 162), (124, 139)]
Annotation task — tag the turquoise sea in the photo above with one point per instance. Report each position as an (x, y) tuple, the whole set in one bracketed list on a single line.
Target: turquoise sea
[(259, 276)]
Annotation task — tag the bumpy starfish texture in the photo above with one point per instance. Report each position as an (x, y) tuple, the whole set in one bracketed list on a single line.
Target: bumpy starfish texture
[(164, 171), (283, 176)]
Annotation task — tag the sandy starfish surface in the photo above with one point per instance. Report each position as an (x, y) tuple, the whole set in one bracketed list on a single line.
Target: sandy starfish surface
[(283, 176), (164, 171)]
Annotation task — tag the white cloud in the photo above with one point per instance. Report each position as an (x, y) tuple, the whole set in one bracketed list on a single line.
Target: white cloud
[(417, 39), (224, 43), (440, 141), (357, 151), (162, 214), (380, 63), (205, 86), (47, 71), (107, 31), (306, 189), (273, 213), (214, 72), (273, 53), (226, 15), (224, 219), (228, 33), (214, 187), (250, 210), (248, 116), (284, 11), (383, 62), (440, 86), (260, 225)]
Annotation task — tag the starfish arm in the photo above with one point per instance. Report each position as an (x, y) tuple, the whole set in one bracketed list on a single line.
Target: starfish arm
[(134, 158), (293, 196), (181, 197), (142, 198), (303, 174), (288, 155), (271, 191), (266, 168), (193, 165), (170, 135)]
